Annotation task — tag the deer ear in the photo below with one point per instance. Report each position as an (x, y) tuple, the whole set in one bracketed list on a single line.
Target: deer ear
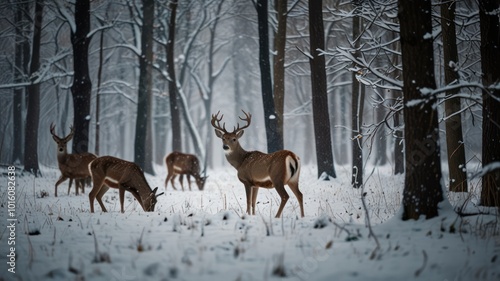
[(239, 134), (219, 133)]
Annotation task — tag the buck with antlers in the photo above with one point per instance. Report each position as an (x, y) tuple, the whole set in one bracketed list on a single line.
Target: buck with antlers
[(108, 171), (183, 164), (72, 166), (257, 169)]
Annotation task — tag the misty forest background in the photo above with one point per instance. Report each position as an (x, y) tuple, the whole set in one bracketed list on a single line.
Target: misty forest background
[(410, 84)]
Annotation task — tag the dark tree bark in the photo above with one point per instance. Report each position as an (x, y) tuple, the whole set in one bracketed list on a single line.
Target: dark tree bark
[(454, 135), (324, 154), (422, 191), (82, 86), (490, 52), (21, 59), (172, 87), (357, 105), (274, 140), (279, 64), (143, 154), (33, 115), (98, 96)]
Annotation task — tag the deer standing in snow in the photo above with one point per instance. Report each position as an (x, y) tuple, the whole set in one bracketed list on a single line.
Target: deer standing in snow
[(108, 171), (257, 169), (183, 164), (72, 166)]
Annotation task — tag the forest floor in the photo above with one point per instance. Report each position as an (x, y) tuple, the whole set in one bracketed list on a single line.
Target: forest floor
[(204, 235)]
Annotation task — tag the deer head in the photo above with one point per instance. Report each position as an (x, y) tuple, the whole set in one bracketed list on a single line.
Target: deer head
[(61, 142), (230, 140)]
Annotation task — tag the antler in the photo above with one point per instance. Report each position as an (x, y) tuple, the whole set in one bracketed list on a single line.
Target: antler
[(52, 128), (248, 119), (66, 138), (216, 122)]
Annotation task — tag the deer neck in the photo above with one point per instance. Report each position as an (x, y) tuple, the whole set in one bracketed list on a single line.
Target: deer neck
[(236, 156)]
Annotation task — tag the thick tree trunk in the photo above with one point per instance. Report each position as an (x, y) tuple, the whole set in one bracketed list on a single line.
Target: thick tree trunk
[(490, 52), (33, 115), (172, 87), (274, 140), (422, 192), (324, 154), (454, 136), (143, 155), (279, 64), (82, 86), (21, 63)]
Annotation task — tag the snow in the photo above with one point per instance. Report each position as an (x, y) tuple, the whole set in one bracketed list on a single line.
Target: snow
[(203, 235)]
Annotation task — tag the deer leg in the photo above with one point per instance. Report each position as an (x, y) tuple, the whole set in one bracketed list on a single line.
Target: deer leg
[(189, 181), (167, 179), (255, 190), (97, 185), (69, 186), (181, 180), (104, 189), (280, 188), (172, 178), (59, 181), (294, 186), (248, 191), (121, 193)]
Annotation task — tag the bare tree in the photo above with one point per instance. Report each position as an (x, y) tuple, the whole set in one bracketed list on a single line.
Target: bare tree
[(143, 155), (279, 63), (490, 52), (357, 106), (172, 82), (324, 151), (454, 135), (422, 191), (82, 86), (21, 64), (33, 115), (274, 139)]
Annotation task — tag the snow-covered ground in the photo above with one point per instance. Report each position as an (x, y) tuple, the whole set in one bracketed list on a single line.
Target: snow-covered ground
[(204, 235)]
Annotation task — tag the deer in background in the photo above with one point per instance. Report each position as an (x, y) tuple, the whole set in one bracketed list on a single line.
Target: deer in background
[(257, 169), (72, 166), (183, 164), (108, 171)]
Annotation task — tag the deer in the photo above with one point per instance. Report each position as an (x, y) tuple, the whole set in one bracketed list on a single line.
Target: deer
[(183, 164), (257, 169), (73, 166), (108, 171)]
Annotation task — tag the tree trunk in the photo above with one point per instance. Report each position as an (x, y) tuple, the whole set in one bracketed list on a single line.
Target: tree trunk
[(143, 155), (357, 105), (172, 87), (270, 118), (490, 52), (422, 191), (454, 136), (279, 64), (98, 97), (21, 69), (324, 155), (33, 115), (82, 86)]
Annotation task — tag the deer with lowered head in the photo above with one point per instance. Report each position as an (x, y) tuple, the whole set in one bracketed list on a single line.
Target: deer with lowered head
[(183, 164), (108, 171), (73, 166), (257, 169)]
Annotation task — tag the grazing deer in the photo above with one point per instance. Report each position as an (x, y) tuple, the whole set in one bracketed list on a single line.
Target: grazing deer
[(257, 169), (183, 164), (72, 166), (108, 171)]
